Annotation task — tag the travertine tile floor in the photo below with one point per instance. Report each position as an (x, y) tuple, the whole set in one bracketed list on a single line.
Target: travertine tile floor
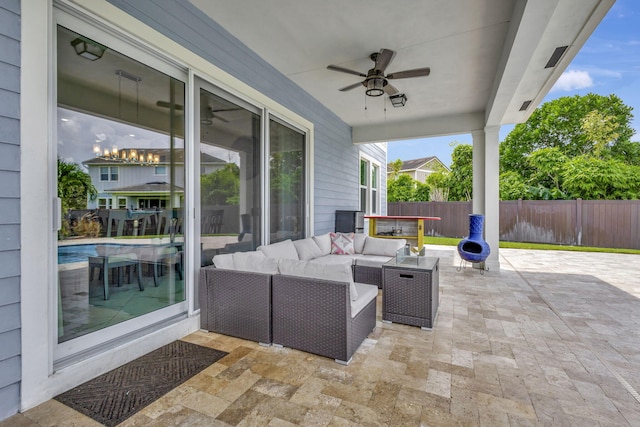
[(551, 339)]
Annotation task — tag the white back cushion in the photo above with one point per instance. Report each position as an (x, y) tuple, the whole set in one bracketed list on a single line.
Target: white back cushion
[(307, 248), (280, 250), (337, 273), (224, 261), (324, 243), (255, 261), (358, 242), (378, 246)]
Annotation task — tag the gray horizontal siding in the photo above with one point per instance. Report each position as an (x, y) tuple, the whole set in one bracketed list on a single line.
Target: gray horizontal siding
[(335, 157), (10, 340)]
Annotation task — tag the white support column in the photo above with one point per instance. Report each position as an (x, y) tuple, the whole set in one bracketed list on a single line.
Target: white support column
[(486, 188)]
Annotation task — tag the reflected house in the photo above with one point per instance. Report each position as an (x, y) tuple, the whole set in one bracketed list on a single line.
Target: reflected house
[(138, 185)]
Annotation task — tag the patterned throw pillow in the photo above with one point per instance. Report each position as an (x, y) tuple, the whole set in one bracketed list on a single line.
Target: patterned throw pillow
[(342, 243)]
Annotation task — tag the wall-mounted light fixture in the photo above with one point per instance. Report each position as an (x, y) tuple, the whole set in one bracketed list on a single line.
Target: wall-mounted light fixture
[(398, 100), (88, 49)]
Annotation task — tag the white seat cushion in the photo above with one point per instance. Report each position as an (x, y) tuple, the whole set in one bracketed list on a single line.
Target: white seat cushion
[(372, 260), (365, 294), (333, 259)]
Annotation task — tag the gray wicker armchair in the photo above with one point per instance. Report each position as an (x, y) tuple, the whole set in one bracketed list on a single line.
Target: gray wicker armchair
[(236, 303), (314, 315)]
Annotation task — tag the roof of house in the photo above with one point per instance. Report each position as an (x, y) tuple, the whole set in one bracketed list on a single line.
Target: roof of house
[(149, 187), (414, 164)]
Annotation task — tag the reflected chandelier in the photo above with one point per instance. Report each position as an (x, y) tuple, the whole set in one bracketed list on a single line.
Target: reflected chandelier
[(126, 155)]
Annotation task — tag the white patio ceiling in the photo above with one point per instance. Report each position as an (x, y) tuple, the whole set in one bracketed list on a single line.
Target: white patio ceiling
[(487, 57)]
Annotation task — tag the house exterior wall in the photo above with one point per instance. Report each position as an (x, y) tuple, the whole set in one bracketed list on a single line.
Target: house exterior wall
[(10, 352), (335, 157), (25, 340)]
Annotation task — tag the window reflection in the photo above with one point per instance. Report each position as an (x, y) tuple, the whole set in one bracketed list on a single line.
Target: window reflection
[(120, 248), (287, 183), (230, 177)]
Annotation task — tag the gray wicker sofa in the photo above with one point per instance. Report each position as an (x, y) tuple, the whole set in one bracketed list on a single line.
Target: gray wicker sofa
[(297, 294)]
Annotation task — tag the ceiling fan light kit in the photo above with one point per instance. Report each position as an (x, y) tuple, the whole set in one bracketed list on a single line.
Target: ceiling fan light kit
[(376, 83), (374, 87)]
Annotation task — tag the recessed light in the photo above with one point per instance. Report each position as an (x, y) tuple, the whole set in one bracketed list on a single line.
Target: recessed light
[(555, 56), (525, 105), (64, 120)]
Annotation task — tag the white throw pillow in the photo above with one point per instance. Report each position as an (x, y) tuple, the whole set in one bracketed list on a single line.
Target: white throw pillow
[(324, 243), (378, 246), (358, 242), (307, 248), (255, 262), (337, 273), (280, 250), (342, 243), (224, 261)]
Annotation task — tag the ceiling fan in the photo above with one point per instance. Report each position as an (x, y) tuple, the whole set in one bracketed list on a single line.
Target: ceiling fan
[(375, 81)]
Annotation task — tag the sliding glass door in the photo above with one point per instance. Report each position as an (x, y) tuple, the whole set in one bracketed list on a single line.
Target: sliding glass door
[(121, 185), (287, 182), (230, 173)]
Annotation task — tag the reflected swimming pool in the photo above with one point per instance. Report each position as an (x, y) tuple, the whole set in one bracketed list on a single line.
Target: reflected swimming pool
[(79, 253)]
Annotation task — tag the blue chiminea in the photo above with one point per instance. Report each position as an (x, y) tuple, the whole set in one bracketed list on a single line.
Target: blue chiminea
[(474, 248)]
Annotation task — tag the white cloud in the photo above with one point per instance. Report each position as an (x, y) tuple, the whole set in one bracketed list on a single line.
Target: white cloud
[(572, 80)]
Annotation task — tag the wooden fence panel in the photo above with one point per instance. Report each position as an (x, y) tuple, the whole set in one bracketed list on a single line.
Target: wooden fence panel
[(597, 223), (610, 223)]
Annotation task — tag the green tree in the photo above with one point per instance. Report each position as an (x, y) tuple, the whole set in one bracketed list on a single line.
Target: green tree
[(512, 186), (590, 178), (438, 187), (460, 180), (570, 124), (401, 189), (74, 186), (221, 187), (395, 167)]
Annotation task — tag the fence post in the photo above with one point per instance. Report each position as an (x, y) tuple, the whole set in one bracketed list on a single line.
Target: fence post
[(518, 226), (579, 222)]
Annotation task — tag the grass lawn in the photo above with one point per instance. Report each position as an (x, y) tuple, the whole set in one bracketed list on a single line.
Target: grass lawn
[(452, 241)]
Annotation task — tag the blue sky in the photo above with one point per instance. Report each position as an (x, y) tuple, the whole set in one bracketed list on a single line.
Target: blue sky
[(609, 62)]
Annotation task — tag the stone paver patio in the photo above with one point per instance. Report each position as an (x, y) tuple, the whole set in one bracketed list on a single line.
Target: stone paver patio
[(553, 339)]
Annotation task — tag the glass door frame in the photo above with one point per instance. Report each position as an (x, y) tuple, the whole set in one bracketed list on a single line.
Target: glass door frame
[(71, 351)]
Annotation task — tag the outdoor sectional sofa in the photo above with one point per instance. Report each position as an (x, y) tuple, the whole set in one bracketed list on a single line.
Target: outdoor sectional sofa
[(316, 294)]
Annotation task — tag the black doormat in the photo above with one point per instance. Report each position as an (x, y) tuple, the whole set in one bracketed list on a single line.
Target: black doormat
[(115, 396)]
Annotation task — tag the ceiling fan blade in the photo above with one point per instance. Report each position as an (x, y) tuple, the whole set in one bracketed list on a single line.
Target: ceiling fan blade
[(166, 104), (383, 59), (390, 89), (219, 117), (353, 86), (418, 72), (345, 70)]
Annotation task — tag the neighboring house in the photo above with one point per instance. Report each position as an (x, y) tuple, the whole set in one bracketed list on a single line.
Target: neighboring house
[(418, 169), (139, 185), (249, 80)]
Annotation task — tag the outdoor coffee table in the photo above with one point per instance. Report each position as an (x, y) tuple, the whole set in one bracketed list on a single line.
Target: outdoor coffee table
[(410, 291)]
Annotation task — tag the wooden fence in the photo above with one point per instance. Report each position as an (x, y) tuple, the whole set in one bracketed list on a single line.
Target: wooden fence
[(597, 223)]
